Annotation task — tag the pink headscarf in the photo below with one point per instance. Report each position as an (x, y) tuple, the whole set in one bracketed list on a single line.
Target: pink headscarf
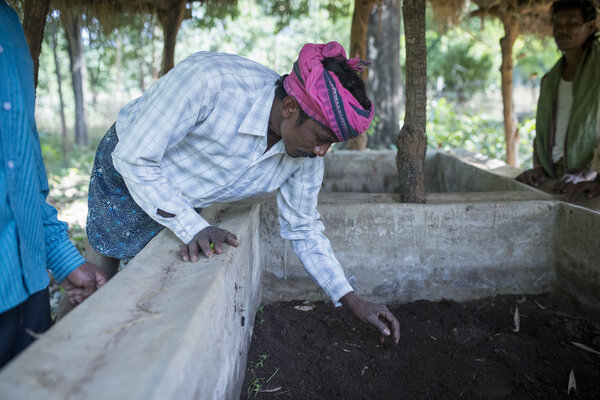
[(322, 96)]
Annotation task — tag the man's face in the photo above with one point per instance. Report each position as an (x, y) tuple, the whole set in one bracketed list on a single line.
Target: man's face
[(306, 140), (570, 30)]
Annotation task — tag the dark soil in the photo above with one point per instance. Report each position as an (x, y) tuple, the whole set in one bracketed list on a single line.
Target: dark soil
[(447, 350)]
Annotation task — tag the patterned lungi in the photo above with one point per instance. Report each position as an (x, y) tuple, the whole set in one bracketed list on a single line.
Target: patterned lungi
[(116, 226)]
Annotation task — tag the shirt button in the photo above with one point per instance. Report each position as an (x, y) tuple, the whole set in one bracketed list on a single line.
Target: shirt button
[(6, 105), (188, 227), (10, 164)]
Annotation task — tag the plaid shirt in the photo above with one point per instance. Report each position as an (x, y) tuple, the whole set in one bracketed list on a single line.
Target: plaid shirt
[(198, 136)]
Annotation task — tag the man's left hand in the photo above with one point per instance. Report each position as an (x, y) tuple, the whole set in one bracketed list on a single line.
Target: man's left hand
[(376, 314), (82, 282)]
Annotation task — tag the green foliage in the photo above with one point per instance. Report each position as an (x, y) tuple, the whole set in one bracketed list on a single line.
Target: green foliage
[(448, 126), (535, 56), (464, 59), (453, 126)]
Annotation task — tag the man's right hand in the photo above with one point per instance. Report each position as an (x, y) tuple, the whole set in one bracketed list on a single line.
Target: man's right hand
[(203, 240), (533, 177)]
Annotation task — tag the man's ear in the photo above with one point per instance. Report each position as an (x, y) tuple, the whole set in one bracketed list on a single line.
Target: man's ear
[(290, 107), (591, 27)]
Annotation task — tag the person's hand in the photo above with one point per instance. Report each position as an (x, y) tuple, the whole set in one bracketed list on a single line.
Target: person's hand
[(573, 192), (203, 240), (568, 180), (376, 314), (82, 282), (533, 177)]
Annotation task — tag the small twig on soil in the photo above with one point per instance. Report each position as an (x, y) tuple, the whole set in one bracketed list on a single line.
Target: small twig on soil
[(270, 390), (539, 305), (433, 337), (274, 373), (572, 385), (528, 377), (517, 320), (362, 372), (564, 314), (352, 344), (584, 347)]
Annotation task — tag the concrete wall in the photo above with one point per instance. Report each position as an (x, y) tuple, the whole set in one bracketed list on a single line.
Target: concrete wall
[(578, 254), (374, 171), (402, 252), (160, 329)]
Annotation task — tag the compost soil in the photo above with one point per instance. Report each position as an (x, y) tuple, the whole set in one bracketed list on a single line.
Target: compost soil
[(447, 350)]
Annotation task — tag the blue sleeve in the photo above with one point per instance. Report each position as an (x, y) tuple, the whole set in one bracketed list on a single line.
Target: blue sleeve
[(62, 257)]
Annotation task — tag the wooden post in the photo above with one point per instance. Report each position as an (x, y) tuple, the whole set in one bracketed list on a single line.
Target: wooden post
[(511, 131), (34, 21), (170, 20)]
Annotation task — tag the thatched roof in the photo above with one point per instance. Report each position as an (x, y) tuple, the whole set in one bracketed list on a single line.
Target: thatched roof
[(533, 16)]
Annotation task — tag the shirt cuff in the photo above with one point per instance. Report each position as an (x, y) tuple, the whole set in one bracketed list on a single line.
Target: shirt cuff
[(185, 225), (63, 259), (337, 288)]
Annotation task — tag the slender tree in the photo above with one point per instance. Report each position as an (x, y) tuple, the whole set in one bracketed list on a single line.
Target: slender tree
[(412, 141), (358, 45), (53, 31), (384, 82), (72, 23)]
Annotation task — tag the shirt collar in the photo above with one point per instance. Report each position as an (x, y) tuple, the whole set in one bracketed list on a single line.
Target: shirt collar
[(257, 121)]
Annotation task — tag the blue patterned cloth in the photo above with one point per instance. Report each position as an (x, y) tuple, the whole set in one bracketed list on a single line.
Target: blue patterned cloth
[(111, 208)]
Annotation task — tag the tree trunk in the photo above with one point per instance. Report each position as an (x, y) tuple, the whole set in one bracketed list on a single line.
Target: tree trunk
[(384, 85), (170, 21), (63, 124), (511, 131), (72, 23), (412, 142), (34, 21), (358, 45)]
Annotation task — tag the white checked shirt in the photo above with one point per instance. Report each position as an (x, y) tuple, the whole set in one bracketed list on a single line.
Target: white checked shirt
[(198, 136)]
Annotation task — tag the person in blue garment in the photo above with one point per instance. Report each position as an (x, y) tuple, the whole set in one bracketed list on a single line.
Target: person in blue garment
[(32, 240)]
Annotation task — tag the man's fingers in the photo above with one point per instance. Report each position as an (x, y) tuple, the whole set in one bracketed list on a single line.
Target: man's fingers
[(393, 323), (218, 247), (380, 325), (100, 279), (206, 247), (76, 296), (232, 240), (194, 251), (184, 251)]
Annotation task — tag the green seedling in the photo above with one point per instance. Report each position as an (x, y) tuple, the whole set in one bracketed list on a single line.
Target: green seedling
[(254, 386), (262, 357)]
